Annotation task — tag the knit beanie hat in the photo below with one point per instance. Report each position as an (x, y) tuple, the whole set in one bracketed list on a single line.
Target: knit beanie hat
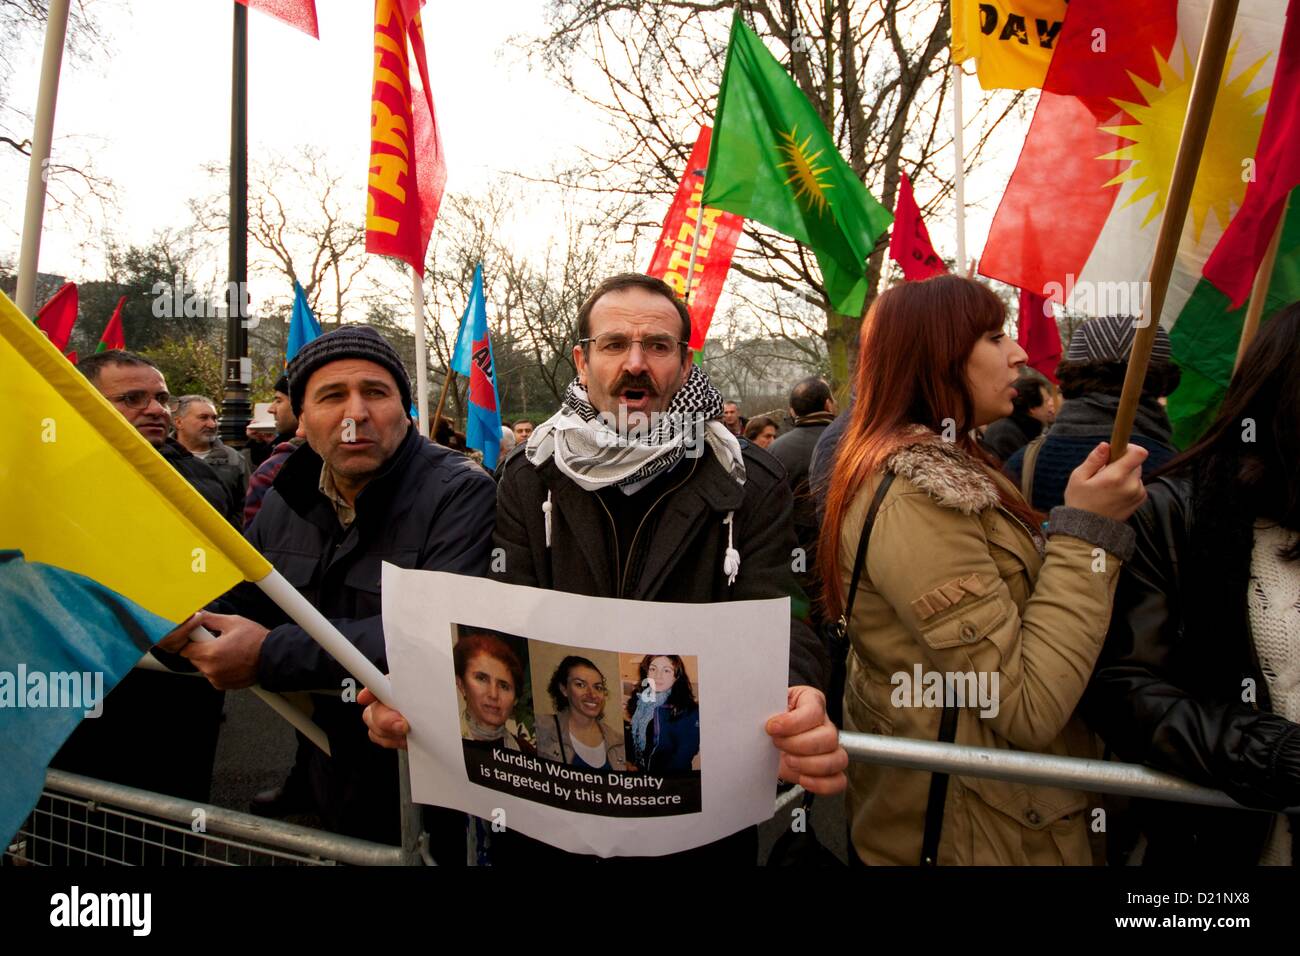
[(281, 385), (345, 342), (1109, 338)]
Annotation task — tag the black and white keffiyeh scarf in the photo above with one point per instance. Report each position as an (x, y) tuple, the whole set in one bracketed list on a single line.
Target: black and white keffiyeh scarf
[(596, 451)]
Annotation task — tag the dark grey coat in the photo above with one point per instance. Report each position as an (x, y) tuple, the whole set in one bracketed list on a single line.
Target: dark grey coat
[(429, 508)]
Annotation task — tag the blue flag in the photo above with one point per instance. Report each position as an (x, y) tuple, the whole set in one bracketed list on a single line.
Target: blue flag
[(66, 642), (303, 327), (462, 355), (473, 359)]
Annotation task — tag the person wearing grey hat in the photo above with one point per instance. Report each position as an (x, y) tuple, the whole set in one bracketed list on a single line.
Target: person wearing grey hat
[(1091, 378), (365, 488)]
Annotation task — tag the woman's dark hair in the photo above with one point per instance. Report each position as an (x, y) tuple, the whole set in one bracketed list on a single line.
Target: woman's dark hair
[(1244, 466), (493, 645), (1107, 378), (561, 677), (680, 698), (756, 425)]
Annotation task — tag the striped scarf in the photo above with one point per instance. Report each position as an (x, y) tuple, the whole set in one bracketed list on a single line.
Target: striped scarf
[(595, 452)]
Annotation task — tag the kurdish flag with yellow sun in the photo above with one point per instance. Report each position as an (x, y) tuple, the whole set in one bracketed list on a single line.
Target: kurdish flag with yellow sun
[(1080, 215), (772, 160)]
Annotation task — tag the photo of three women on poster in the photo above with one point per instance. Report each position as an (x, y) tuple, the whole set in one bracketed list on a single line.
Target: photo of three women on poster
[(595, 710)]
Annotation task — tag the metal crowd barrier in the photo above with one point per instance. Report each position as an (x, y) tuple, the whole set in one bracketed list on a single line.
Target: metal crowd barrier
[(83, 821), (80, 820), (1077, 773)]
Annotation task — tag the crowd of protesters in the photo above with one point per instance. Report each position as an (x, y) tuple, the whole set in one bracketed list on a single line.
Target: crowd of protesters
[(961, 516)]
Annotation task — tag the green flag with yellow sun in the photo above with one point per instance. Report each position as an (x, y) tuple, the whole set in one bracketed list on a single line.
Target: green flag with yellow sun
[(773, 161)]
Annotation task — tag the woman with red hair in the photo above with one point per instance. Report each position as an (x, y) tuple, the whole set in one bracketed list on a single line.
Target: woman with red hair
[(966, 623)]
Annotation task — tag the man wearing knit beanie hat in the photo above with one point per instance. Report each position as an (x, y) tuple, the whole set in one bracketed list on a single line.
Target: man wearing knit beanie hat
[(365, 488), (1091, 377), (347, 342)]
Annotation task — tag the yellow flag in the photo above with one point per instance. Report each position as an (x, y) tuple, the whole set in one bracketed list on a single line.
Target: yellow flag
[(1010, 40), (83, 490)]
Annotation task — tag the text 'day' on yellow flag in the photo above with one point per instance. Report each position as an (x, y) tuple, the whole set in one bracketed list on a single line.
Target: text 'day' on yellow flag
[(1011, 41)]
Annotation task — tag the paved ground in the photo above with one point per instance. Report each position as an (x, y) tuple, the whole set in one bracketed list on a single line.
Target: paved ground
[(254, 752), (256, 749)]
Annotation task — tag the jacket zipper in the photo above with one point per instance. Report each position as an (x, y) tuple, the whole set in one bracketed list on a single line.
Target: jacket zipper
[(614, 528), (632, 549)]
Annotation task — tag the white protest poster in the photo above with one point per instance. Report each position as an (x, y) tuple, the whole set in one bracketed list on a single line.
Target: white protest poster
[(620, 728)]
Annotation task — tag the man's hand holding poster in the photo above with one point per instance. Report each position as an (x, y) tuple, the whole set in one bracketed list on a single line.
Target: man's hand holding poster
[(596, 725)]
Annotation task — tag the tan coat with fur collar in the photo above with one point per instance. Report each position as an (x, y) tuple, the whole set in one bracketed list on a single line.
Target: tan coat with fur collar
[(954, 583)]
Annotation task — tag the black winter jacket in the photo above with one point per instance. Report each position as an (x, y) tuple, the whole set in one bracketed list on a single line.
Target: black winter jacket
[(429, 508), (678, 554), (1169, 686), (205, 480), (794, 450)]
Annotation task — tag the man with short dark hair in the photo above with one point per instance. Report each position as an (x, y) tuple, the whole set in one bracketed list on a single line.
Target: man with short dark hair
[(365, 488), (732, 420), (136, 388), (1032, 410), (196, 422), (286, 440), (634, 489), (523, 430), (812, 408), (1092, 378)]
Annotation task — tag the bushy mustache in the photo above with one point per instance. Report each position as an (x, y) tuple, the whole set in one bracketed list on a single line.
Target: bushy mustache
[(626, 381)]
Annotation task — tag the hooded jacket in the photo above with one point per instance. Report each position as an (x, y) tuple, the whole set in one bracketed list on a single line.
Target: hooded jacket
[(954, 586)]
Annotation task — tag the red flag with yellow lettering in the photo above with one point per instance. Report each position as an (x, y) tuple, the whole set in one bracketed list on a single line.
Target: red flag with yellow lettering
[(718, 240), (407, 168)]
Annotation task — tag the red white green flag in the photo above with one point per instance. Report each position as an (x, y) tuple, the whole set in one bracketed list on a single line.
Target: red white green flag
[(1079, 219)]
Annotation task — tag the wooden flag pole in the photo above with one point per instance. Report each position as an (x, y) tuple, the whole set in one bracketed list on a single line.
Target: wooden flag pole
[(56, 29), (1205, 87), (442, 400), (1259, 291)]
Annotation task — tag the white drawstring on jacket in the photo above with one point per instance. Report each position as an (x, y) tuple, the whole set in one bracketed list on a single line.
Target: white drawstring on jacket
[(731, 560)]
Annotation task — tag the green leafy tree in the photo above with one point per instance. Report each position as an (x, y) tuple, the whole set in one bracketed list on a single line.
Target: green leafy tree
[(190, 365)]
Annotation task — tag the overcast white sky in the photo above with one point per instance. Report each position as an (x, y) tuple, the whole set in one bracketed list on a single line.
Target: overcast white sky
[(157, 109)]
